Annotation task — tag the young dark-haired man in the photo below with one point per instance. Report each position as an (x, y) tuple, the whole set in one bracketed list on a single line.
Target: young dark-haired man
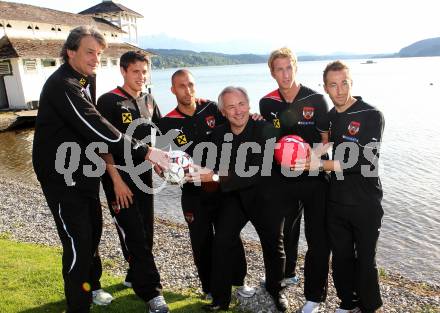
[(130, 205)]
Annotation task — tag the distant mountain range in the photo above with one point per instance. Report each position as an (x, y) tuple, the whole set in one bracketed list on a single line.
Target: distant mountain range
[(174, 57), (423, 48), (163, 41)]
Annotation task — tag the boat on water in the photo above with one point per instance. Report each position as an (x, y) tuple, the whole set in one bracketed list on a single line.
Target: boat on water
[(369, 62)]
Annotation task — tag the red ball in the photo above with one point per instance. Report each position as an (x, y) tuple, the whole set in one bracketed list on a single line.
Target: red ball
[(289, 149)]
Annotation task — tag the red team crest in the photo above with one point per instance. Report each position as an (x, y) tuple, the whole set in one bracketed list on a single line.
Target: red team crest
[(353, 128), (308, 112), (210, 121)]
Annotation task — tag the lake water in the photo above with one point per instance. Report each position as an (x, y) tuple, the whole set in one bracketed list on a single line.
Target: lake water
[(408, 93)]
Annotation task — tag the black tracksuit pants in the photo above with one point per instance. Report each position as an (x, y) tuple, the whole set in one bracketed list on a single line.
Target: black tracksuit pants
[(278, 195), (239, 207), (135, 226), (354, 231), (291, 231), (78, 219), (199, 209)]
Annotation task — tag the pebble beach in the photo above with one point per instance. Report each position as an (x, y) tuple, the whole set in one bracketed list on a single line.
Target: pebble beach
[(24, 217)]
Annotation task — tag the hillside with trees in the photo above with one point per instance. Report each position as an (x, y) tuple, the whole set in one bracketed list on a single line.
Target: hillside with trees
[(166, 58)]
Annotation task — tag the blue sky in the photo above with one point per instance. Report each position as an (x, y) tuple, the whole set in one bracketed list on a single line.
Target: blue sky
[(315, 26)]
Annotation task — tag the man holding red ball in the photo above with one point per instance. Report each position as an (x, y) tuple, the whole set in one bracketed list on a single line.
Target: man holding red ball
[(297, 109)]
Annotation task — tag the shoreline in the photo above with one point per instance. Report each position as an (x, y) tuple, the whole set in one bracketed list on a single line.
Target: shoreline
[(25, 217)]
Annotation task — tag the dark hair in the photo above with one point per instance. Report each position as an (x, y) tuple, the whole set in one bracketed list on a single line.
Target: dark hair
[(131, 57), (74, 39), (180, 72), (334, 66)]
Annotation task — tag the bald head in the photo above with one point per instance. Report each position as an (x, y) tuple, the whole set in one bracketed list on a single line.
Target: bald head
[(180, 73), (183, 87)]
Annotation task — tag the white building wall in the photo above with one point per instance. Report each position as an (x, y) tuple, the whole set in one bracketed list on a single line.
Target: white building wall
[(25, 87), (108, 77), (33, 81), (14, 87), (19, 30)]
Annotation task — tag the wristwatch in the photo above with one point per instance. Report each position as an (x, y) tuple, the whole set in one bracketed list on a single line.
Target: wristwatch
[(215, 177), (321, 166)]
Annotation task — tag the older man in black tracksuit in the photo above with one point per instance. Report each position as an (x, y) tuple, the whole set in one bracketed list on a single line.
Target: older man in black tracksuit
[(195, 119), (67, 166), (239, 176)]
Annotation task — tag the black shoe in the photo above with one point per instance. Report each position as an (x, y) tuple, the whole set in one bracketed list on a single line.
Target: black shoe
[(281, 302), (215, 307)]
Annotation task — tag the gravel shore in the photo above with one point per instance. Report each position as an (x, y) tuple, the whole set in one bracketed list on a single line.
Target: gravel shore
[(24, 217)]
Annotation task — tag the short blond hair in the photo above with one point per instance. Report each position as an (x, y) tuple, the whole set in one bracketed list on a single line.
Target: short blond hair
[(281, 53)]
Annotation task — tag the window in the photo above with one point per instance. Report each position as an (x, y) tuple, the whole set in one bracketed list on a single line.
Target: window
[(115, 62), (5, 68), (30, 65), (103, 62), (48, 62)]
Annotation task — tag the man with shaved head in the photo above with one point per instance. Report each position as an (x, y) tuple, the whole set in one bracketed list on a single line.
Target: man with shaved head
[(195, 119)]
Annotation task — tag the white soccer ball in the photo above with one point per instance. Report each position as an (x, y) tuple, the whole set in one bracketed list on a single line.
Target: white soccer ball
[(180, 164)]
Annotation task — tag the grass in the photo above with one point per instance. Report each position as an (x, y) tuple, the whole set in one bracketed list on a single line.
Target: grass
[(31, 282)]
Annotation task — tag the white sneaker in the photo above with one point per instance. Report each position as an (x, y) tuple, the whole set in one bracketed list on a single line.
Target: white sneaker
[(127, 284), (158, 305), (101, 297), (207, 296), (310, 307), (245, 291), (290, 281)]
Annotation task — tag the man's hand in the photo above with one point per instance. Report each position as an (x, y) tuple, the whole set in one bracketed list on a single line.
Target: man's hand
[(198, 174), (158, 157), (257, 117), (311, 163), (123, 194), (158, 170)]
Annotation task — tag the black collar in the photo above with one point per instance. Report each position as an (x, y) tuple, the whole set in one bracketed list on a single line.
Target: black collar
[(83, 80)]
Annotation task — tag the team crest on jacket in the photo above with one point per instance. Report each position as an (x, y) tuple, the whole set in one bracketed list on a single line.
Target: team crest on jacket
[(115, 206), (353, 128), (210, 121), (308, 112), (189, 217)]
